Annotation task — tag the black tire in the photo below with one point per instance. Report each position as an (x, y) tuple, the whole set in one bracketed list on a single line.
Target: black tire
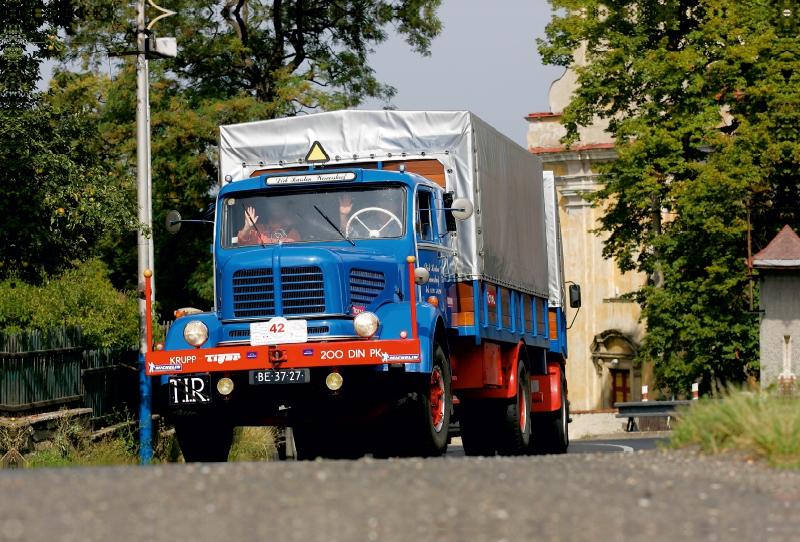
[(514, 434), (336, 440), (478, 427), (203, 438), (421, 423), (551, 429)]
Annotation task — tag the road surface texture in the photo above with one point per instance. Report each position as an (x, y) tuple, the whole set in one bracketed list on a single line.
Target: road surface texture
[(641, 496)]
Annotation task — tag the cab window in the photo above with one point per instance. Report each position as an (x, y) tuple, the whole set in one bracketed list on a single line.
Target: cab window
[(424, 225)]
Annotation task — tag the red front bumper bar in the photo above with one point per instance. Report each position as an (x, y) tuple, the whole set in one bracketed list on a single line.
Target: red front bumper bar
[(243, 358)]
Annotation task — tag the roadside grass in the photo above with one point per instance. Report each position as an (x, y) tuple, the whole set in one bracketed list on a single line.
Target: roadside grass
[(72, 446), (766, 425), (254, 444)]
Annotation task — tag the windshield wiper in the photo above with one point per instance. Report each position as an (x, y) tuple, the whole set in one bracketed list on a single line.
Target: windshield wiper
[(345, 237)]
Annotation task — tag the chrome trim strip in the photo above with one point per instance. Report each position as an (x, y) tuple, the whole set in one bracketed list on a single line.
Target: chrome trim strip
[(297, 317), (312, 339)]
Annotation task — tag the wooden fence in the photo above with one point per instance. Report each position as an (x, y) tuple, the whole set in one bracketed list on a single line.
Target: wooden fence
[(44, 370)]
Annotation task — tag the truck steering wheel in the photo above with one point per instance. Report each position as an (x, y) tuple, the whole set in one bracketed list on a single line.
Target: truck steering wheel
[(373, 232)]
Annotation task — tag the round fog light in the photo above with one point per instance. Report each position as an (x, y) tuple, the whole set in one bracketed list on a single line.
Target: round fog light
[(225, 386), (334, 381), (366, 324)]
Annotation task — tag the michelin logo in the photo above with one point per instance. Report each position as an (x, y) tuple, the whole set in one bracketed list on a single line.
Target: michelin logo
[(399, 357), (172, 367), (222, 358)]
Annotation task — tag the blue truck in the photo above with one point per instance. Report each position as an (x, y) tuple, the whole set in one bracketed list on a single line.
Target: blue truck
[(378, 275)]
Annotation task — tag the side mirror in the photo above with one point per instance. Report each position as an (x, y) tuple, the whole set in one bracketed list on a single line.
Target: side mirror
[(574, 296), (462, 209), (211, 211), (173, 221), (421, 276)]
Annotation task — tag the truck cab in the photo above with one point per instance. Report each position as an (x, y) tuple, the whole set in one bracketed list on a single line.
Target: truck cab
[(305, 254)]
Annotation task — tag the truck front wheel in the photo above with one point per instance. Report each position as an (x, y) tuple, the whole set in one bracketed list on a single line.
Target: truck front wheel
[(421, 423), (203, 438)]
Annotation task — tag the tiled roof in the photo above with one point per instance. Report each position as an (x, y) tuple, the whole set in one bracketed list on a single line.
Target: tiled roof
[(541, 150), (543, 114), (781, 253)]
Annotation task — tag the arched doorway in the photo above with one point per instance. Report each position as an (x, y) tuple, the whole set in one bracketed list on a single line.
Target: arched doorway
[(613, 355)]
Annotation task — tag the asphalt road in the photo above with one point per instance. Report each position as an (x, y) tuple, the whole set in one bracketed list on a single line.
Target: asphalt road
[(650, 495), (455, 449)]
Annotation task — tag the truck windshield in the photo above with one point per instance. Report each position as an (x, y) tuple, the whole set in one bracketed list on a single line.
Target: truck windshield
[(300, 216)]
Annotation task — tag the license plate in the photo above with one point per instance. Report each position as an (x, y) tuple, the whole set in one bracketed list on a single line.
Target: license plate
[(280, 376), (189, 390), (279, 330)]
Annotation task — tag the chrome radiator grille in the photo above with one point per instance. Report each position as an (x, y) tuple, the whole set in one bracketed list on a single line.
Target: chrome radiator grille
[(365, 286)]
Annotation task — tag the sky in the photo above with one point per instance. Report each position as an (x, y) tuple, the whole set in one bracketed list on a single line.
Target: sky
[(485, 61)]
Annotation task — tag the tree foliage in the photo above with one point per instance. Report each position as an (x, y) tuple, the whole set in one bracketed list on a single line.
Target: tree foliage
[(82, 295), (60, 194), (702, 98), (237, 61)]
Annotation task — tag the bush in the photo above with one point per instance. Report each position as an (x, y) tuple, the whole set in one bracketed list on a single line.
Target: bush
[(81, 296), (768, 426)]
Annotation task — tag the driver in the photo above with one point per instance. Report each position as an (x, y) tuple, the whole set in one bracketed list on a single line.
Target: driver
[(371, 220), (277, 229)]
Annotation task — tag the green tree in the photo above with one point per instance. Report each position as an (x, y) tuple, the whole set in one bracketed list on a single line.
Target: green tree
[(237, 62), (701, 96), (59, 194), (83, 295)]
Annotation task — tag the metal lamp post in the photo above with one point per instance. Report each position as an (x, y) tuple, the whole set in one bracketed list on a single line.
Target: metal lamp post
[(146, 48)]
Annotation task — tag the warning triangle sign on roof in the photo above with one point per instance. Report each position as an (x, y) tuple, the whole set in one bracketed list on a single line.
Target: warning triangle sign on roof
[(317, 154)]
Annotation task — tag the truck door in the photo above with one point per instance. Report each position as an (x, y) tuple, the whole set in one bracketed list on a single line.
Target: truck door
[(429, 244)]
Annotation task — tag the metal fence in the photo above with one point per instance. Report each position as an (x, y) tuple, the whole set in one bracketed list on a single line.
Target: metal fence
[(44, 370)]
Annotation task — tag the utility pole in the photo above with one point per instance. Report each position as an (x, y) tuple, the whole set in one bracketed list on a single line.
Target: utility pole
[(144, 235), (146, 48)]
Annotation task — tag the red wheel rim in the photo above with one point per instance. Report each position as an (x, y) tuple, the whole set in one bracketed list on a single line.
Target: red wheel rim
[(437, 399), (523, 407)]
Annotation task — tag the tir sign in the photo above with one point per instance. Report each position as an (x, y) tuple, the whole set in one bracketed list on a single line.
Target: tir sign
[(316, 154)]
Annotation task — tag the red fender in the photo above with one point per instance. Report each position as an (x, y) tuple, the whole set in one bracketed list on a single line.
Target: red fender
[(470, 373), (548, 398)]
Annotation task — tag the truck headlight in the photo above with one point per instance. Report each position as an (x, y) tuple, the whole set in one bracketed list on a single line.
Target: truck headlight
[(195, 333), (366, 324)]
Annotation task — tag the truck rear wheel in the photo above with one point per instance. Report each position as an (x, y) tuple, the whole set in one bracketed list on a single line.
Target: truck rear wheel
[(478, 427), (203, 438), (515, 432), (551, 429)]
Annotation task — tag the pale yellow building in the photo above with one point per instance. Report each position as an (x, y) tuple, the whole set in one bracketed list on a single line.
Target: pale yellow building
[(607, 333)]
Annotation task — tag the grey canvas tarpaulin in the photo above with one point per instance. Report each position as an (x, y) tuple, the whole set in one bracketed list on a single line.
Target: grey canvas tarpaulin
[(503, 242)]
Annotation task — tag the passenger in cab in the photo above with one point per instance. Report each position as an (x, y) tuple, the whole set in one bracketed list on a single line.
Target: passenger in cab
[(277, 228)]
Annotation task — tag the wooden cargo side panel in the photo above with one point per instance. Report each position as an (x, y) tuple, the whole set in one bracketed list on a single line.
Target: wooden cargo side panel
[(464, 310), (553, 322), (431, 169)]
